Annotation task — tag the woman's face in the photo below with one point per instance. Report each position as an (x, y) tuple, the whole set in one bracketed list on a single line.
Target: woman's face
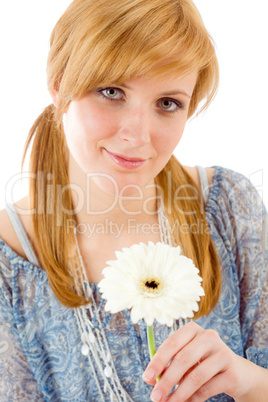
[(127, 132)]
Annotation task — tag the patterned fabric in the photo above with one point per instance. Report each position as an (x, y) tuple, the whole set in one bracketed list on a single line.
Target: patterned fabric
[(40, 345)]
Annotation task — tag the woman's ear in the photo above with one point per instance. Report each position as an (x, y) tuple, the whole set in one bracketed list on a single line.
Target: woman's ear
[(54, 95)]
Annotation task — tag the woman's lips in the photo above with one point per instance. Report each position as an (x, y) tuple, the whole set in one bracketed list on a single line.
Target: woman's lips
[(125, 161)]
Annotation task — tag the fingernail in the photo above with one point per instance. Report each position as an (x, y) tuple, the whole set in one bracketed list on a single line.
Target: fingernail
[(149, 374), (156, 395)]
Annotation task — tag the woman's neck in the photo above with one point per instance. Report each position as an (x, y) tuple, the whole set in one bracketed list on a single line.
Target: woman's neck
[(95, 204)]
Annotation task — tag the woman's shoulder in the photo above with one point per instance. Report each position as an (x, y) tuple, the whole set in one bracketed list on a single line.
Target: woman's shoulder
[(223, 182), (231, 193), (234, 186), (7, 232), (236, 204)]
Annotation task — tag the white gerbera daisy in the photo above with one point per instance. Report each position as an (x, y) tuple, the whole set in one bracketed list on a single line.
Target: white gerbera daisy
[(155, 281)]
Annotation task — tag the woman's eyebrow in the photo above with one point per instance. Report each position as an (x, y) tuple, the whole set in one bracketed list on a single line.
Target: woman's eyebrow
[(176, 92), (170, 93)]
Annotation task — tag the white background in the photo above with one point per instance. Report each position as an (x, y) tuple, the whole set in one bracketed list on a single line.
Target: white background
[(233, 131)]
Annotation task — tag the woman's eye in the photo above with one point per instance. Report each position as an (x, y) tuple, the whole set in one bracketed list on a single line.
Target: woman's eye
[(111, 93), (170, 105)]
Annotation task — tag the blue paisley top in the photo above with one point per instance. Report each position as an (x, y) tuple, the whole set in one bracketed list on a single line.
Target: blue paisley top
[(40, 344)]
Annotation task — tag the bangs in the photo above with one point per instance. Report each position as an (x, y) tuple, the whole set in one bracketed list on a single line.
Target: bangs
[(111, 42)]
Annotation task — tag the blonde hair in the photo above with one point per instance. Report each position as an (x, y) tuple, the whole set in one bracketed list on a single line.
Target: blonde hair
[(96, 43)]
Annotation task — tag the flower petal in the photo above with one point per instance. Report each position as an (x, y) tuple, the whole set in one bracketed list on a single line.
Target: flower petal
[(180, 283)]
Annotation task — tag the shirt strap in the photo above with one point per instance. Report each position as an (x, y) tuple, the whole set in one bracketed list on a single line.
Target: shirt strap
[(204, 183), (22, 235)]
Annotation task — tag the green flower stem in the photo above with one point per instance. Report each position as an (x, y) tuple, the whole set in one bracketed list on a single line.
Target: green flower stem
[(151, 344)]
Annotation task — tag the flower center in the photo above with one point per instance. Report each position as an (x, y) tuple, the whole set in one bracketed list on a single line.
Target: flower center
[(152, 285)]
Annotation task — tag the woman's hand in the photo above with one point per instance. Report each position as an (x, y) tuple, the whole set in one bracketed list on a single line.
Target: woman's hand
[(202, 365)]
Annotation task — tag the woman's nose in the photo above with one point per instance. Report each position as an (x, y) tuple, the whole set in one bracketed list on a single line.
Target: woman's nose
[(136, 128)]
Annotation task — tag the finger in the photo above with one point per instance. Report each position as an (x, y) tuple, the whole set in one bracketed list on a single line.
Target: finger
[(169, 349), (183, 364), (215, 386), (199, 382)]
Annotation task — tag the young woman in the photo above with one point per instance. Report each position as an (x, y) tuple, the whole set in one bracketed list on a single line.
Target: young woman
[(124, 78)]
